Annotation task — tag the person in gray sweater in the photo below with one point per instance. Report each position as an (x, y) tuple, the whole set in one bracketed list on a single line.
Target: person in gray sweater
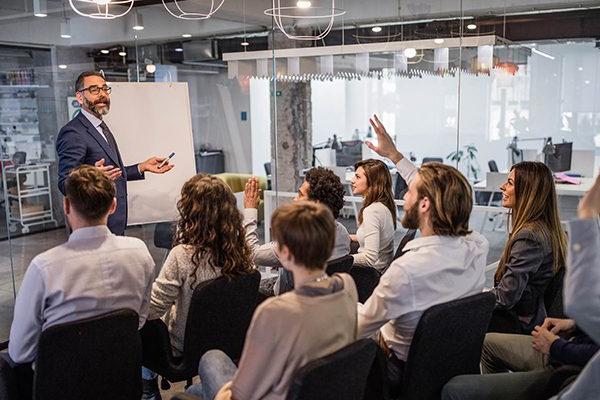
[(207, 212), (535, 251)]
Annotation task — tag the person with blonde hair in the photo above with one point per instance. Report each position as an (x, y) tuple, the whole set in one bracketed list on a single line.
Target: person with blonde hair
[(445, 263), (377, 216), (210, 242), (536, 249)]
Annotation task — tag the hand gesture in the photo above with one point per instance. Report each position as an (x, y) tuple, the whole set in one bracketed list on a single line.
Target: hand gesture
[(385, 145), (589, 206), (251, 193), (542, 339), (152, 165), (113, 173), (559, 325)]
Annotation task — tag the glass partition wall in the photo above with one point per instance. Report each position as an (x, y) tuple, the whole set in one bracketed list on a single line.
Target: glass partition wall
[(448, 84)]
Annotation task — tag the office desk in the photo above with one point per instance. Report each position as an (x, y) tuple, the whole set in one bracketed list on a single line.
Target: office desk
[(562, 189)]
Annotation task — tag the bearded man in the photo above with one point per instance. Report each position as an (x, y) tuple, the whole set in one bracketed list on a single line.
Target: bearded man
[(86, 139)]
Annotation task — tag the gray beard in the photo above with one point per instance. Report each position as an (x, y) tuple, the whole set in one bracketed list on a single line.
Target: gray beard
[(95, 110)]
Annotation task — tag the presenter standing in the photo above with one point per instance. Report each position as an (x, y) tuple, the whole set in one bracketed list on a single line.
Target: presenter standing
[(86, 139)]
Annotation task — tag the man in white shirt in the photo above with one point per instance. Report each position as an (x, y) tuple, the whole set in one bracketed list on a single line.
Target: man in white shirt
[(445, 263), (95, 272)]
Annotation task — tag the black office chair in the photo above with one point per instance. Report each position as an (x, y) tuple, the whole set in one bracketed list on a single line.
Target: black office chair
[(341, 375), (400, 187), (94, 358), (493, 166), (267, 166), (342, 264), (553, 296), (432, 159), (408, 236), (446, 343), (219, 315), (164, 235), (366, 280)]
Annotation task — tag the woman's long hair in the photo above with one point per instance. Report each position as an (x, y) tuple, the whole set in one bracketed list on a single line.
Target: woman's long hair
[(535, 208), (379, 187), (211, 224)]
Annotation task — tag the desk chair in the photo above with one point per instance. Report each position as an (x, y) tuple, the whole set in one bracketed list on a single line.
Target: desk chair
[(432, 159)]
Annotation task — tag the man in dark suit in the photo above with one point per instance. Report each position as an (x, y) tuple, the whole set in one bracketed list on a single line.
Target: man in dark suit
[(86, 139)]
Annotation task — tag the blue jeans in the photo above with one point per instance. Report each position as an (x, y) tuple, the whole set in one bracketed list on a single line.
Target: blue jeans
[(215, 370)]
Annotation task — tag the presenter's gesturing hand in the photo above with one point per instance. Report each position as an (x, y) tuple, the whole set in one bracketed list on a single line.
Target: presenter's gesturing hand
[(385, 145), (152, 165), (112, 172), (589, 206), (251, 193)]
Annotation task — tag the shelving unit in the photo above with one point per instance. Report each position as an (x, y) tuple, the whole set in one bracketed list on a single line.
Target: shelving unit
[(28, 204)]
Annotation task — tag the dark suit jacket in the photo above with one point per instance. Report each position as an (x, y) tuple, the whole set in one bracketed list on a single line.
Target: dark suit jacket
[(79, 143)]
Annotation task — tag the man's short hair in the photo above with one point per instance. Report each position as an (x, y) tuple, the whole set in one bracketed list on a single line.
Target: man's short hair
[(90, 192), (450, 196), (83, 75), (307, 229), (326, 188)]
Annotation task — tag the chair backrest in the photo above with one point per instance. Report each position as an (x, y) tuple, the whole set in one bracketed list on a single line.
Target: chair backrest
[(94, 358), (19, 158), (446, 343), (432, 159), (341, 375), (164, 235), (400, 187), (553, 296), (366, 280), (493, 166), (408, 236), (342, 264), (268, 168), (219, 316)]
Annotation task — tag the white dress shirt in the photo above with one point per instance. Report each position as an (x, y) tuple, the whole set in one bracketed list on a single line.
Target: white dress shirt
[(95, 121), (435, 270), (95, 272), (375, 237)]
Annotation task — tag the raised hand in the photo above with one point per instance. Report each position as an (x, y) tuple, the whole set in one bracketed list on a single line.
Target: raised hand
[(113, 173), (251, 193), (589, 206), (385, 145), (152, 165)]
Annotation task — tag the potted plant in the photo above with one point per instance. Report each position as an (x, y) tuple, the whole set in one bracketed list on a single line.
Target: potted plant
[(468, 155)]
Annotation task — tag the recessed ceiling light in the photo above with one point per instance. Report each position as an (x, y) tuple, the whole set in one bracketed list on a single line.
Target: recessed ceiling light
[(40, 15), (104, 51), (65, 36), (587, 82), (62, 66), (303, 4), (471, 27), (376, 29), (580, 68), (138, 22), (40, 8), (122, 53), (151, 68), (410, 52), (186, 35), (178, 49), (438, 41), (245, 43)]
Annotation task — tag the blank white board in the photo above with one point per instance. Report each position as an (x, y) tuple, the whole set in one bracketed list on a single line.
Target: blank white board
[(153, 119)]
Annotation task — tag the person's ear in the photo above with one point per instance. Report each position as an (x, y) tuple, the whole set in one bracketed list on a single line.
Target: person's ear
[(113, 206), (284, 253), (66, 206), (424, 205), (79, 97)]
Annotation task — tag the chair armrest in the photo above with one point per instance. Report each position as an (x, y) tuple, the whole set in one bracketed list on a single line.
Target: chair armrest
[(184, 396), (156, 344), (4, 345)]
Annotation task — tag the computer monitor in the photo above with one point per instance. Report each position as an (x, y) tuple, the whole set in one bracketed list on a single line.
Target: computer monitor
[(560, 159)]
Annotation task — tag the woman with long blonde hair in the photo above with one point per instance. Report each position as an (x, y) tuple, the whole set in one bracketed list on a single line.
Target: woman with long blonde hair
[(377, 217), (535, 250), (210, 242)]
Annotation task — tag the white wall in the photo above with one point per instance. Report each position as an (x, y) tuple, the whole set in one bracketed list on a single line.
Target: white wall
[(260, 122)]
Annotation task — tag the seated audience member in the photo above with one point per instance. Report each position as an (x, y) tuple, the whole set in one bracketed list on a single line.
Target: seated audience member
[(582, 289), (209, 243), (94, 273), (446, 263), (535, 250), (377, 216), (518, 367), (320, 185), (317, 318)]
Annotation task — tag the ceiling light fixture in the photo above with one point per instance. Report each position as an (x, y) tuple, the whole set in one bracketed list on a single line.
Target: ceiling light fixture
[(40, 8), (104, 9), (62, 66), (376, 29), (151, 68), (178, 12), (245, 43), (580, 68), (65, 29), (104, 51), (410, 52), (138, 21), (178, 49), (186, 35), (122, 53), (438, 41), (471, 27), (303, 4)]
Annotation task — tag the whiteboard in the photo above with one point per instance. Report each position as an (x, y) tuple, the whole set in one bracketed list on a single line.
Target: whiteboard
[(153, 119)]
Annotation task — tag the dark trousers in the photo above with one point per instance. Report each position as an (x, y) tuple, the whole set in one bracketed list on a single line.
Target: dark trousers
[(16, 380)]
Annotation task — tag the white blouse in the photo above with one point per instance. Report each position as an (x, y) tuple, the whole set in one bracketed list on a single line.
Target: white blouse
[(375, 237)]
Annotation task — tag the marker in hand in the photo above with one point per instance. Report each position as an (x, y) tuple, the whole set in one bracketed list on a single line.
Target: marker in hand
[(166, 160)]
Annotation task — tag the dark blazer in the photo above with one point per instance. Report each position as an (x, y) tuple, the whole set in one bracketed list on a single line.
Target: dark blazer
[(78, 143), (529, 270)]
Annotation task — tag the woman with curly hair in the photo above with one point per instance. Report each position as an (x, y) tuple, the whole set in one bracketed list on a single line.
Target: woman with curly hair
[(209, 243)]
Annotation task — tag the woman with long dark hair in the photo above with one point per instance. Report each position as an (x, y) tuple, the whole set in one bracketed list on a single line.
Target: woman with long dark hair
[(377, 217), (535, 250), (210, 242)]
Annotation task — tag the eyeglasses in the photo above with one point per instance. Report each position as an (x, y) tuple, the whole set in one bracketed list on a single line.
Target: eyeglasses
[(96, 89)]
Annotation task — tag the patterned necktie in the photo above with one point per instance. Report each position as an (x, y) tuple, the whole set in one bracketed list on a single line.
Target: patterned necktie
[(109, 137)]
